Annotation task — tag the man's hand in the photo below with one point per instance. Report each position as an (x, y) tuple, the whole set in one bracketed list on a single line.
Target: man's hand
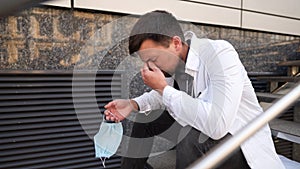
[(153, 77), (119, 109)]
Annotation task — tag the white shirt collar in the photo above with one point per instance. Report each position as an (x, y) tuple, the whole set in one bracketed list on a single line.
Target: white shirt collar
[(192, 62)]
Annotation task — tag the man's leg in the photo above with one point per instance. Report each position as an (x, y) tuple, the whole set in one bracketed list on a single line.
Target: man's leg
[(139, 147), (191, 148), (141, 141)]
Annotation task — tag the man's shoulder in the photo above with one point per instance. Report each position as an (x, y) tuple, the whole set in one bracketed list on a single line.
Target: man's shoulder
[(219, 43), (189, 35)]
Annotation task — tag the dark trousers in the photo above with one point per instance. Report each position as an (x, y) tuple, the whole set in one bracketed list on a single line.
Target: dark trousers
[(190, 144)]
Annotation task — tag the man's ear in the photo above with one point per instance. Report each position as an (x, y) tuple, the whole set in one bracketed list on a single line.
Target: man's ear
[(176, 40)]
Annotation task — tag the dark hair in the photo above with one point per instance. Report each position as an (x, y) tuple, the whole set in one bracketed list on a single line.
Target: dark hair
[(159, 26)]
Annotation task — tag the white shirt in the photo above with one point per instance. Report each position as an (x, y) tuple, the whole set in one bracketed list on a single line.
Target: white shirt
[(226, 104)]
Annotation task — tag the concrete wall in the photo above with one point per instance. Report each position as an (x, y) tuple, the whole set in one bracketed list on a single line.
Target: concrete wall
[(50, 38)]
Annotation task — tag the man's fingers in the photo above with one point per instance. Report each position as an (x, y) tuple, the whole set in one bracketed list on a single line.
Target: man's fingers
[(145, 67), (110, 117), (113, 116), (152, 66), (110, 104), (107, 113)]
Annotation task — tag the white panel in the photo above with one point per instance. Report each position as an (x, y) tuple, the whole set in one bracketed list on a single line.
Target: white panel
[(229, 3), (182, 10), (61, 3), (270, 23), (289, 8), (122, 6), (207, 14)]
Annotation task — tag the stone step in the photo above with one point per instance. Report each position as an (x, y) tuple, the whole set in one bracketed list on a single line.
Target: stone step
[(165, 160), (287, 130), (255, 74), (269, 97), (279, 78), (289, 63)]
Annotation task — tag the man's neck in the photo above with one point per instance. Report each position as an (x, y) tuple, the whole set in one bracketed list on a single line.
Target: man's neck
[(184, 53)]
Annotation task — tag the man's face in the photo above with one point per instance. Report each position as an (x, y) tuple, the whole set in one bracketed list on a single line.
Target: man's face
[(166, 59)]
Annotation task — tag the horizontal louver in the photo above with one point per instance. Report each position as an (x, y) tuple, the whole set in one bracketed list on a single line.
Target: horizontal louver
[(284, 147), (39, 127)]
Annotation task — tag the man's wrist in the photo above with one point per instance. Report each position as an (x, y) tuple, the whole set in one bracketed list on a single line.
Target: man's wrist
[(134, 105), (161, 91)]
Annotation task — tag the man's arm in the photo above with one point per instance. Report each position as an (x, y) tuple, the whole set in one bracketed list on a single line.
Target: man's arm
[(215, 110), (118, 110)]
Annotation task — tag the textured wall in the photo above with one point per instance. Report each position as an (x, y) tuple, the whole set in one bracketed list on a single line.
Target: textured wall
[(55, 39), (47, 38), (52, 38)]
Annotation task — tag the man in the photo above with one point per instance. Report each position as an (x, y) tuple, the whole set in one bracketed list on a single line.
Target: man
[(210, 93)]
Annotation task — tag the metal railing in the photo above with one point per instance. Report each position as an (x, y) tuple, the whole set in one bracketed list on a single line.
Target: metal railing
[(223, 150)]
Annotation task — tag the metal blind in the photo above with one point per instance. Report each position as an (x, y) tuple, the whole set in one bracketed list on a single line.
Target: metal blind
[(39, 127), (284, 147)]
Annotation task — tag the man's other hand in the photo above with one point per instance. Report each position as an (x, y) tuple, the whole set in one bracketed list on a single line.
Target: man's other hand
[(118, 110), (153, 77)]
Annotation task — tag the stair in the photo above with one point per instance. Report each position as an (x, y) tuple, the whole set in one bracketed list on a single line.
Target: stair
[(293, 66), (290, 63), (280, 78), (286, 131), (269, 97)]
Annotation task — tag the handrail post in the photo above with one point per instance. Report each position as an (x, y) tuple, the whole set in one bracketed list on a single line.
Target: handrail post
[(217, 155)]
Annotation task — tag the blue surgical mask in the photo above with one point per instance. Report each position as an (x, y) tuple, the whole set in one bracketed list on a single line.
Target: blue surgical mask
[(107, 140)]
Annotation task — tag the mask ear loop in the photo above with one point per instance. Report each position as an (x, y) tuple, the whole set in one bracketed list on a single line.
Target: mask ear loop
[(103, 117), (103, 161)]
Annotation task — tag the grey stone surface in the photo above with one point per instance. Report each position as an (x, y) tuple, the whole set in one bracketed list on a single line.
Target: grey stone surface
[(165, 157), (61, 39), (166, 160)]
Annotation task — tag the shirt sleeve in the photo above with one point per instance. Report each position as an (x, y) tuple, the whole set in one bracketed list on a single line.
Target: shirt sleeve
[(215, 109), (149, 101)]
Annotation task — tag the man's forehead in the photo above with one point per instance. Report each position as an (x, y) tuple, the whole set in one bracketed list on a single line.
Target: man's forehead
[(150, 51), (145, 55)]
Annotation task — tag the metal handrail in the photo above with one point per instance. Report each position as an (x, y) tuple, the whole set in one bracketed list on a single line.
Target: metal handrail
[(223, 150)]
